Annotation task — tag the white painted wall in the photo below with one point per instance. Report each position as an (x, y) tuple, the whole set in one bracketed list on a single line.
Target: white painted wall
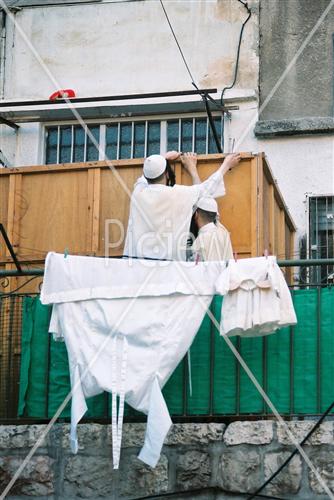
[(302, 166), (121, 48)]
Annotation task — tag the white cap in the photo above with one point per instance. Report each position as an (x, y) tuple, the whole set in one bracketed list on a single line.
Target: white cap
[(208, 204), (154, 166)]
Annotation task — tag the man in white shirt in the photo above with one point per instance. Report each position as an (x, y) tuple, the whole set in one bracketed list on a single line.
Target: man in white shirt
[(160, 215), (213, 241)]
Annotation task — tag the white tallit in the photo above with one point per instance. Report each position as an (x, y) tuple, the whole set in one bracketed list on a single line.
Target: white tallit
[(257, 300), (127, 324)]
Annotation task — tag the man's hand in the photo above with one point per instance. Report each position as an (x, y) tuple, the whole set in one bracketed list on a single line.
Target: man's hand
[(172, 155), (189, 162), (231, 161)]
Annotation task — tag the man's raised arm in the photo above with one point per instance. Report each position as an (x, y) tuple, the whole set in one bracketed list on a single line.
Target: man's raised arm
[(214, 185)]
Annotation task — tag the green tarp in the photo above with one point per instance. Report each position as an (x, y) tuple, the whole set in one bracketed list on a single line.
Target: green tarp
[(294, 366)]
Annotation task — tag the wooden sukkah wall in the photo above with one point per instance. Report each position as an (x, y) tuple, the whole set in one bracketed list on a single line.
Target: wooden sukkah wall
[(58, 207), (53, 207)]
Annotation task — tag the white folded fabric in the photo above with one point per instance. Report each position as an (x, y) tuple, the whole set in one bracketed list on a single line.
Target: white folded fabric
[(127, 324), (257, 300)]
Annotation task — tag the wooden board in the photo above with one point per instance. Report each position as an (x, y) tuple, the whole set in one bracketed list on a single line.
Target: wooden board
[(84, 207)]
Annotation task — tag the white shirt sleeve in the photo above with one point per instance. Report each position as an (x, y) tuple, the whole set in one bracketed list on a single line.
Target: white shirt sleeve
[(213, 186), (140, 183)]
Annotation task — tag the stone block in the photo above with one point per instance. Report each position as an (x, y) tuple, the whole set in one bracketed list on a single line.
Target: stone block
[(193, 470), (289, 479), (21, 436), (133, 435), (138, 479), (324, 463), (88, 476), (240, 470), (36, 479), (184, 434), (323, 435), (258, 432), (89, 436)]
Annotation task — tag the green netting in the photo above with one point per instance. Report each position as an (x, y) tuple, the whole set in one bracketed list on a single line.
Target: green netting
[(294, 366)]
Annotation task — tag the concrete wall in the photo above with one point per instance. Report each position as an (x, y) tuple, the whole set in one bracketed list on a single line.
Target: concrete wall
[(307, 89), (296, 125), (236, 458)]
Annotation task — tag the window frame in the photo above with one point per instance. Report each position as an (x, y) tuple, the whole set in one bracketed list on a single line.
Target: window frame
[(162, 118)]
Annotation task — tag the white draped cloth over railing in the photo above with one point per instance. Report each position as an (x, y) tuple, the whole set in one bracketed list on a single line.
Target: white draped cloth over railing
[(127, 324)]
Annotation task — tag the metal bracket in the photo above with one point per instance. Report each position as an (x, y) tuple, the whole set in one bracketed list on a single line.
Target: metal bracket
[(10, 248), (9, 123)]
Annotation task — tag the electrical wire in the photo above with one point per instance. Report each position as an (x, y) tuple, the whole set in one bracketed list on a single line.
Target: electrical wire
[(203, 95), (237, 59), (213, 489), (179, 46), (290, 457), (245, 4)]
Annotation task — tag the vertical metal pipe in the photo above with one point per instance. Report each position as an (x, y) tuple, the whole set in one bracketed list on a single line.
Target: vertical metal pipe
[(9, 410), (185, 387), (238, 378), (291, 371), (145, 140), (47, 376), (58, 143), (212, 362), (264, 371), (2, 53), (318, 349)]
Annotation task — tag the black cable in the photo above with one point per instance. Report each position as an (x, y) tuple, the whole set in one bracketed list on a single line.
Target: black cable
[(179, 47), (295, 451), (238, 52), (212, 125), (214, 489), (203, 95), (237, 60)]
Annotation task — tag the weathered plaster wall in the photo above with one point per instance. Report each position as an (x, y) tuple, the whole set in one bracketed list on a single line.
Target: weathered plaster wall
[(237, 458), (127, 47), (307, 89), (121, 48)]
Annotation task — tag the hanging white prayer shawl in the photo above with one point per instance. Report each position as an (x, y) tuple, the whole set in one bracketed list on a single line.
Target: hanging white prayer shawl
[(257, 300), (127, 324)]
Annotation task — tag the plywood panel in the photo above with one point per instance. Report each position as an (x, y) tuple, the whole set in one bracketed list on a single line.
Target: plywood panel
[(116, 192), (4, 187), (277, 212), (68, 206), (234, 207), (56, 213), (266, 204)]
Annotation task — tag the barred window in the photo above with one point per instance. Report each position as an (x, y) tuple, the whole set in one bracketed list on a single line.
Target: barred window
[(71, 143), (130, 139), (321, 237)]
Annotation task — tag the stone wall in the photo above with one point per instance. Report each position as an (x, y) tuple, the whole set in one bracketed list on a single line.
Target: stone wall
[(236, 458)]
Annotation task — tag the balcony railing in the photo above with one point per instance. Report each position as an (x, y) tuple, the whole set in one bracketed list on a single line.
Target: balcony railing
[(294, 366)]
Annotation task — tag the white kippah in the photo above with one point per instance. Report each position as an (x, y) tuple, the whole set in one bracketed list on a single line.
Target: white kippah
[(154, 166), (208, 204)]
